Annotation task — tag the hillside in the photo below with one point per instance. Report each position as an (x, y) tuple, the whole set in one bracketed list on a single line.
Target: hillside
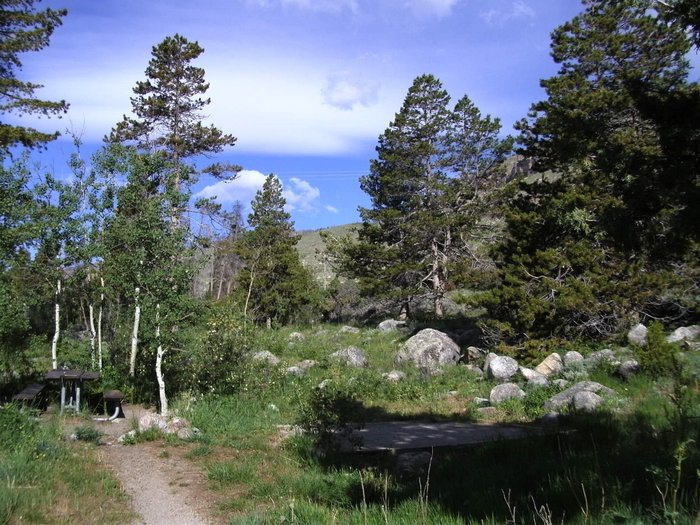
[(312, 250)]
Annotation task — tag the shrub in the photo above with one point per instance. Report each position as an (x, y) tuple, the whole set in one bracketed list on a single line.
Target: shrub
[(658, 357), (88, 433)]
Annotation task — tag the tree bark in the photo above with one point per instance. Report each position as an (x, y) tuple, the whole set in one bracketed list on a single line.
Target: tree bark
[(99, 326), (93, 335), (159, 367), (135, 336), (57, 326)]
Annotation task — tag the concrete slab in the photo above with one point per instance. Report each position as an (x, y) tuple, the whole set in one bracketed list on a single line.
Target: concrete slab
[(405, 435)]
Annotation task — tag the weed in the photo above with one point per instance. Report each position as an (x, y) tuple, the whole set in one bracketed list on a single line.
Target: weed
[(88, 433)]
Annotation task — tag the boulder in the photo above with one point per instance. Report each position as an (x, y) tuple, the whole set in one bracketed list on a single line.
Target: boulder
[(564, 399), (481, 401), (504, 392), (266, 356), (295, 337), (552, 365), (351, 356), (572, 359), (391, 325), (684, 333), (533, 377), (638, 335), (628, 368), (501, 368), (586, 401), (168, 425), (474, 354), (560, 383), (153, 421), (599, 357), (429, 349), (349, 330), (487, 360), (300, 368), (394, 375), (475, 370)]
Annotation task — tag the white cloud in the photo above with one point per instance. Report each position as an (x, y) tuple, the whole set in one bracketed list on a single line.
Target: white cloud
[(342, 92), (518, 9), (331, 209), (437, 8), (301, 196), (242, 188)]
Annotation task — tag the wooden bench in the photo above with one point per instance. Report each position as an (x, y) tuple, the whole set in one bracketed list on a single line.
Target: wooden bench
[(31, 394)]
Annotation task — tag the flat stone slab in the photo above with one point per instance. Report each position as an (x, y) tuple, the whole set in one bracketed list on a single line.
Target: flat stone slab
[(403, 435)]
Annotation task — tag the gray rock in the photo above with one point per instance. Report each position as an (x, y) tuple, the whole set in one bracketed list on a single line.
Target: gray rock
[(391, 325), (349, 330), (638, 335), (552, 365), (487, 360), (267, 357), (599, 357), (533, 377), (429, 349), (295, 337), (300, 368), (684, 333), (564, 399), (561, 383), (572, 358), (504, 392), (628, 368), (481, 401), (351, 356), (586, 401), (501, 368), (394, 375), (153, 421), (475, 354)]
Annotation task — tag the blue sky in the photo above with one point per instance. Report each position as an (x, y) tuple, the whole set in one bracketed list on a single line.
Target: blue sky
[(307, 86)]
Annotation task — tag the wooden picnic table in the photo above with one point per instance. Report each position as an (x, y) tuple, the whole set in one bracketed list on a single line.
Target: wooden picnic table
[(71, 385)]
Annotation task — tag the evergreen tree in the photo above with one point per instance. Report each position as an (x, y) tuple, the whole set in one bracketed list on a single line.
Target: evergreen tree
[(274, 286), (24, 29), (432, 168), (167, 109), (614, 233)]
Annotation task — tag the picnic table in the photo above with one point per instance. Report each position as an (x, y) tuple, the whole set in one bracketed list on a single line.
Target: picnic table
[(71, 385)]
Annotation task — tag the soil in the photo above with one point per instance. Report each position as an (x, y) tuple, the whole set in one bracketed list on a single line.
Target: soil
[(165, 487)]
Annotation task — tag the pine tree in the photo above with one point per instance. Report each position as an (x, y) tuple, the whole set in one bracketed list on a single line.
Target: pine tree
[(274, 285), (24, 29), (613, 235), (433, 165)]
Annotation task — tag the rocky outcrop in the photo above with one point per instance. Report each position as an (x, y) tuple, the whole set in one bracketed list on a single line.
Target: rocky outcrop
[(504, 392), (429, 349), (564, 400), (391, 325), (351, 356), (266, 356), (638, 335), (500, 367), (552, 365), (684, 333)]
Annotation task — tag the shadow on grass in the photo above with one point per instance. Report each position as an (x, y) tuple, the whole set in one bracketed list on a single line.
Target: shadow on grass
[(610, 469)]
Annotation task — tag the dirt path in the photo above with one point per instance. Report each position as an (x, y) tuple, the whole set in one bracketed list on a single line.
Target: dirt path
[(166, 488)]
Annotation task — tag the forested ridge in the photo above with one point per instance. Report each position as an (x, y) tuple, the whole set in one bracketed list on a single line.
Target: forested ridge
[(575, 228)]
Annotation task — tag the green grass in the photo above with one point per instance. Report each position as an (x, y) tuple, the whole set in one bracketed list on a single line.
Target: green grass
[(46, 480)]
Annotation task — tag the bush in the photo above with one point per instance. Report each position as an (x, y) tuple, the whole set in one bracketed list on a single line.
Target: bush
[(658, 357), (88, 433), (328, 414)]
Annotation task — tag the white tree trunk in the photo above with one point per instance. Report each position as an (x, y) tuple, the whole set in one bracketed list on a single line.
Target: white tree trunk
[(135, 336), (93, 335), (99, 327), (159, 370), (57, 329)]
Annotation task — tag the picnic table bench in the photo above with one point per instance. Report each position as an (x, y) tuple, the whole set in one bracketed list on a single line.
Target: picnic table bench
[(71, 385), (30, 394)]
